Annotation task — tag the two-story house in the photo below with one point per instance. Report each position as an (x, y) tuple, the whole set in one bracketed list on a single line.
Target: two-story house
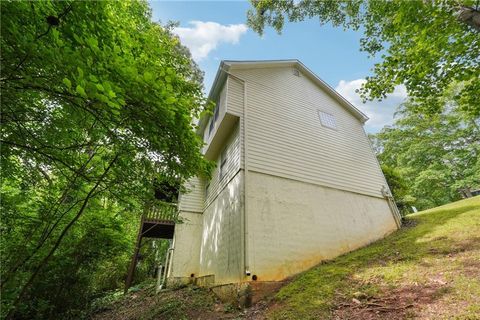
[(296, 180)]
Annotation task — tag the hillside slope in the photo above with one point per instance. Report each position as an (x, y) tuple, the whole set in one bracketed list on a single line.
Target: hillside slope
[(430, 269)]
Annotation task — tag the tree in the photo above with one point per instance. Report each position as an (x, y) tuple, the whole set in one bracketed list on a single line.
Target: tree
[(435, 156), (425, 45), (400, 189), (97, 104)]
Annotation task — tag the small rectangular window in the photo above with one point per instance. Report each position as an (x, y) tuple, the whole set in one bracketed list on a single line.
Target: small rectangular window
[(212, 125), (327, 120), (214, 119), (223, 162)]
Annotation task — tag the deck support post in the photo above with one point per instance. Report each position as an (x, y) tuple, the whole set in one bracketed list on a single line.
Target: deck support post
[(133, 263)]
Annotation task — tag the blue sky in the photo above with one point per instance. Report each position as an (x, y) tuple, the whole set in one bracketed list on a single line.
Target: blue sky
[(216, 31)]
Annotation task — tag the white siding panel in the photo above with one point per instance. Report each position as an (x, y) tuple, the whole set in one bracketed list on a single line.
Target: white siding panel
[(193, 199), (235, 104), (232, 166), (222, 105), (286, 137), (235, 95)]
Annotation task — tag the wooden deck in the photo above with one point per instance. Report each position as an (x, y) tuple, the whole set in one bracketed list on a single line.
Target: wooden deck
[(157, 221)]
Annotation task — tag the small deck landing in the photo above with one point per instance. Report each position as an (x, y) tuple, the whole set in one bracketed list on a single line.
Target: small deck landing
[(157, 221)]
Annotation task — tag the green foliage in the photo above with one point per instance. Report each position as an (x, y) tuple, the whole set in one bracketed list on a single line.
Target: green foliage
[(434, 156), (425, 45), (97, 104), (399, 188)]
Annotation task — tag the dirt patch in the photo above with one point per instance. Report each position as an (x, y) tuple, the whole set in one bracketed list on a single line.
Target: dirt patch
[(184, 303), (409, 223), (396, 304), (471, 268), (467, 245)]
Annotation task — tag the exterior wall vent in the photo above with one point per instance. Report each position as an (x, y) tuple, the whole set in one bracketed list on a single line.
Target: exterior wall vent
[(327, 120), (296, 72)]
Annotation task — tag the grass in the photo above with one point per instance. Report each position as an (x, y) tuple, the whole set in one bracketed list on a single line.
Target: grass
[(434, 259)]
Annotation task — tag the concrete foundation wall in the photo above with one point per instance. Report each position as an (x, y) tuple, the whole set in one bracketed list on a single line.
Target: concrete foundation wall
[(221, 248), (187, 238), (293, 225)]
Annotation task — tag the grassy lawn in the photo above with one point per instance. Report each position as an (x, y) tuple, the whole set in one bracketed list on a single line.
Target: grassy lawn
[(428, 270)]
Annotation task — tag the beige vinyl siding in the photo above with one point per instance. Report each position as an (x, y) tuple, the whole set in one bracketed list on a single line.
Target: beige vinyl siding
[(193, 199), (235, 96), (207, 135), (231, 167), (235, 105), (287, 139)]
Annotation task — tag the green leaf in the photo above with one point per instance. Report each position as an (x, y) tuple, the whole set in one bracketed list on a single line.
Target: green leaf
[(92, 42), (77, 38), (67, 82), (81, 91), (148, 76), (99, 87), (80, 73), (170, 100)]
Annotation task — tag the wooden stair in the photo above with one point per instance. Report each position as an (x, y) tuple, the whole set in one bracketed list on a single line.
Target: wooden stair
[(157, 221)]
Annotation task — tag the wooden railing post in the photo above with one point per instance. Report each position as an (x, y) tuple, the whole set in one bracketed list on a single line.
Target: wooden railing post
[(133, 263)]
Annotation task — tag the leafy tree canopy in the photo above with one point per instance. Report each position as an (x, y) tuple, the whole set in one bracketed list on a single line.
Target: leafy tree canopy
[(425, 45), (435, 157), (97, 105)]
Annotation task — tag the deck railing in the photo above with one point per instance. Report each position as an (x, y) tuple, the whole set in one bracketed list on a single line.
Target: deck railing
[(160, 211)]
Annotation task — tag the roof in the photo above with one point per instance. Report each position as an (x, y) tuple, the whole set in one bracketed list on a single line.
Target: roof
[(226, 65)]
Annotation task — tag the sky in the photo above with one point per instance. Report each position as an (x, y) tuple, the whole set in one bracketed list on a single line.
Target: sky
[(217, 30)]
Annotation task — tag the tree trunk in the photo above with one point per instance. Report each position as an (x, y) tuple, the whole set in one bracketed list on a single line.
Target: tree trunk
[(45, 260), (470, 16)]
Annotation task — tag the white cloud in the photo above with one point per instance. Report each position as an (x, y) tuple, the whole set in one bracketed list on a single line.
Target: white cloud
[(379, 112), (203, 37)]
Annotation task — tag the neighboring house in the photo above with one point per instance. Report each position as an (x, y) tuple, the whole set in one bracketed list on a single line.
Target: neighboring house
[(296, 180)]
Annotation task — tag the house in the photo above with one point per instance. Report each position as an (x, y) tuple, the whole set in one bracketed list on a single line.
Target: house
[(296, 180)]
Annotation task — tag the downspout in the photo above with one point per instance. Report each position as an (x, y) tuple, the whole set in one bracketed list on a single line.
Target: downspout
[(245, 183)]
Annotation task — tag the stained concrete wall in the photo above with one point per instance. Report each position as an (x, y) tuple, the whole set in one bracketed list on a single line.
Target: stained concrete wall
[(221, 248), (293, 225), (186, 254)]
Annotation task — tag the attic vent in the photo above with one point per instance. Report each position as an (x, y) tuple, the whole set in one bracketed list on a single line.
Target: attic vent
[(296, 72), (327, 120)]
